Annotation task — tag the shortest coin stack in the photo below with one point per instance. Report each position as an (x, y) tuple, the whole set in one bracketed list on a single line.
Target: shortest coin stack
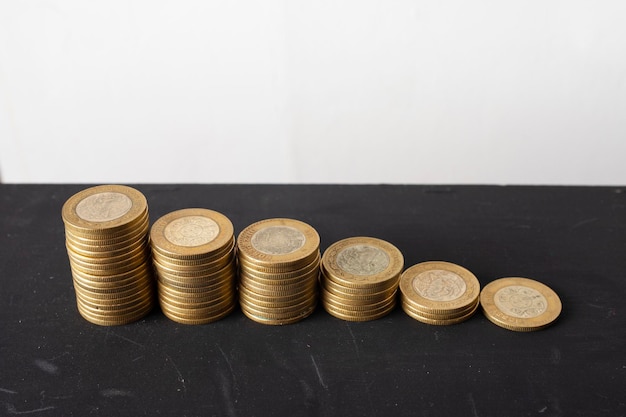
[(520, 304), (193, 255), (439, 293), (278, 271), (360, 278), (106, 235)]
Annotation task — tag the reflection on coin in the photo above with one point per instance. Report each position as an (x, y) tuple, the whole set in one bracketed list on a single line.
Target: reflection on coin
[(103, 207), (520, 304), (191, 231)]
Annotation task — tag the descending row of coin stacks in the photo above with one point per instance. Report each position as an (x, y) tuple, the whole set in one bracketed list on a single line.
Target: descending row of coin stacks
[(439, 293), (360, 278), (106, 232), (193, 251), (278, 270)]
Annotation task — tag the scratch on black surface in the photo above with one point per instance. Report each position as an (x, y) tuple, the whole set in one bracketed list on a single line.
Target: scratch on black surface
[(47, 366), (230, 367), (472, 405), (226, 393), (356, 346), (11, 410), (7, 391), (180, 376), (319, 375), (584, 222), (110, 332), (114, 392)]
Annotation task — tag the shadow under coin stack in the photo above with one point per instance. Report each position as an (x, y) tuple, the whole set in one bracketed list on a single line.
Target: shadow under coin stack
[(360, 278), (194, 259), (106, 232), (439, 293), (278, 271)]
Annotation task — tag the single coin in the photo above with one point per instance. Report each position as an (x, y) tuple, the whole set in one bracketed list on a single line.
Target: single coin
[(276, 319), (350, 316), (199, 321), (362, 262), (103, 209), (439, 287), (278, 243), (520, 304), (207, 261), (191, 233)]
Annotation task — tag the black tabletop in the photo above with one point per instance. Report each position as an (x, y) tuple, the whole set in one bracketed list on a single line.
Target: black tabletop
[(54, 363)]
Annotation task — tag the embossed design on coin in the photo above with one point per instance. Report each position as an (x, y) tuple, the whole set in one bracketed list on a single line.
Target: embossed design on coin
[(519, 301), (278, 240), (191, 231), (439, 285), (362, 260), (103, 207)]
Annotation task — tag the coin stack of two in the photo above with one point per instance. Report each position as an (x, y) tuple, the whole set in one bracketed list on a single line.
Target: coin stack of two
[(193, 251), (278, 271), (106, 232), (360, 278), (439, 293)]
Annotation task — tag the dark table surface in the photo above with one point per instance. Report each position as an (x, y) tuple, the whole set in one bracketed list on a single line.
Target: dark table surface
[(54, 363)]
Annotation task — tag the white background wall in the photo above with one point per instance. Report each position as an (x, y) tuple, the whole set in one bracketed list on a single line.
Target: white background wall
[(481, 91)]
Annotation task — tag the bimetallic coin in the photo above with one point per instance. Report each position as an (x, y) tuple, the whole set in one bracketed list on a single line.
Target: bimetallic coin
[(191, 233), (362, 262), (278, 243), (439, 287), (520, 304)]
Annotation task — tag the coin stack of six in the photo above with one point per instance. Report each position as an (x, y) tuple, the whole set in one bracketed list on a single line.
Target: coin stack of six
[(360, 278), (193, 252), (439, 293), (278, 270), (106, 232), (520, 304)]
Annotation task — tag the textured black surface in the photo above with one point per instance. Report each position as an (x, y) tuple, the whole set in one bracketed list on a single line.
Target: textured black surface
[(54, 363)]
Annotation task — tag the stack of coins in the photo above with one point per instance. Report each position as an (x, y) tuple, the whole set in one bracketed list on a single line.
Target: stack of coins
[(278, 270), (106, 232), (194, 259), (439, 293), (360, 278), (520, 304)]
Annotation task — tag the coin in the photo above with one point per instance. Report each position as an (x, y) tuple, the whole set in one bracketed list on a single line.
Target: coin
[(520, 304)]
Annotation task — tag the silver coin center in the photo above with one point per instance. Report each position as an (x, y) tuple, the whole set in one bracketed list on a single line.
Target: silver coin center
[(363, 260), (191, 231), (439, 285), (520, 301), (278, 240), (103, 207)]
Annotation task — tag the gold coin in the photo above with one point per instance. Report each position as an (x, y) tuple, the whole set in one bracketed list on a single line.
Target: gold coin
[(269, 299), (198, 321), (520, 304), (356, 296), (363, 262), (439, 287), (104, 210), (280, 321), (350, 316), (277, 290), (195, 302), (113, 258), (106, 320), (116, 293), (116, 241), (201, 312), (214, 292), (207, 262), (312, 267), (191, 233), (439, 321), (352, 304), (437, 315), (278, 243), (105, 251), (96, 280), (227, 265)]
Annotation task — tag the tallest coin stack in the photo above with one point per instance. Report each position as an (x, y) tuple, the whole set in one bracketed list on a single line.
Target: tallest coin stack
[(106, 235)]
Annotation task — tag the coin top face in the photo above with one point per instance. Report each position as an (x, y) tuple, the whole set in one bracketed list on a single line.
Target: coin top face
[(520, 301), (191, 231), (362, 260), (278, 240), (439, 285), (103, 207)]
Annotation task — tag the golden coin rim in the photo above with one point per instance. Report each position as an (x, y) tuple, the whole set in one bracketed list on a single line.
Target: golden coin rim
[(254, 256), (338, 275), (163, 245)]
